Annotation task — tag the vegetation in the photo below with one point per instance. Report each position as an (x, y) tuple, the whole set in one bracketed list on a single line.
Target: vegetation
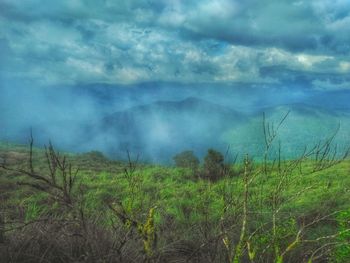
[(214, 166), (274, 210), (187, 159)]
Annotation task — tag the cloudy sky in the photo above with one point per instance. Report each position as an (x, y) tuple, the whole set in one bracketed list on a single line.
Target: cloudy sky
[(266, 42)]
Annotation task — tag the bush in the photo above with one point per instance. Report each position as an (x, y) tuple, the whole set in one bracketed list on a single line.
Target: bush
[(186, 159), (214, 166)]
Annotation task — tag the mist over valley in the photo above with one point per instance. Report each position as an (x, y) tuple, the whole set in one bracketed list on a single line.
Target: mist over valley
[(156, 122)]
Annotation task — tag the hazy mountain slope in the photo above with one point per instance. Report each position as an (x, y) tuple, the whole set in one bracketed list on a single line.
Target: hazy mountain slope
[(304, 126), (338, 99), (160, 129), (158, 122)]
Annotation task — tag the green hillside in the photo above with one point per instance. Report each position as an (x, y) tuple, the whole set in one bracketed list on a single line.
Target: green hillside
[(304, 126), (292, 211)]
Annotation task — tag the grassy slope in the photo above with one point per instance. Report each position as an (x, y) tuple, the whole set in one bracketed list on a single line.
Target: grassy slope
[(176, 187), (180, 195)]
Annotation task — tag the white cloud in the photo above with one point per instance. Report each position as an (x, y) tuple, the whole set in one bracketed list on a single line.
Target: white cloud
[(189, 41)]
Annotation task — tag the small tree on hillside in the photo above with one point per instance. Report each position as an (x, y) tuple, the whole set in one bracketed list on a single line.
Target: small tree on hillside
[(186, 159), (214, 164)]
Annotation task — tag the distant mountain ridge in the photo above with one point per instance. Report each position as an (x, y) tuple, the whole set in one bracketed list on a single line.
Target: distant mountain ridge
[(170, 126), (190, 103), (160, 119), (304, 109), (159, 130)]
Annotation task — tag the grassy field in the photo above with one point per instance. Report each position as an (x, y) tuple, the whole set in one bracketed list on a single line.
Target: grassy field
[(111, 211)]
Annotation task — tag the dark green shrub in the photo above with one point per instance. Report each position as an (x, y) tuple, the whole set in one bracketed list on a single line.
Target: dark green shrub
[(214, 167), (186, 159)]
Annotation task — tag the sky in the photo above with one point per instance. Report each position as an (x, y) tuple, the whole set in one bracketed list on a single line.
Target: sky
[(218, 42)]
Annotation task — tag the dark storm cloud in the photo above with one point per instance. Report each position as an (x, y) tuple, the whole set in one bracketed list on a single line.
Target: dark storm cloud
[(217, 41), (306, 80), (293, 25)]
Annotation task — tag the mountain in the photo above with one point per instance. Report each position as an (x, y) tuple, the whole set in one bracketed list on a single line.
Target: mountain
[(158, 129), (336, 100), (161, 129), (305, 126)]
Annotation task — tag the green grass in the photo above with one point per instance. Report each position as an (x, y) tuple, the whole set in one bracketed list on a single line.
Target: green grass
[(188, 202), (175, 189)]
